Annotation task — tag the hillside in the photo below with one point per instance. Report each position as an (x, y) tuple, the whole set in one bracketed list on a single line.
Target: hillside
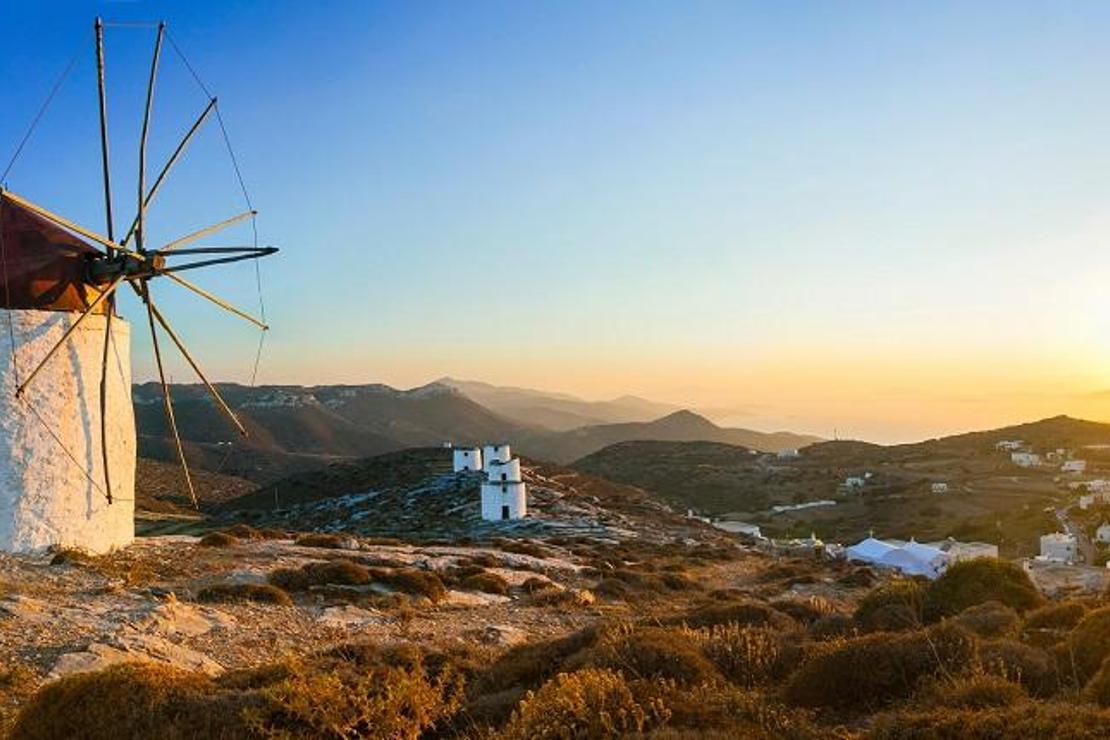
[(989, 497), (294, 428), (680, 426), (556, 411)]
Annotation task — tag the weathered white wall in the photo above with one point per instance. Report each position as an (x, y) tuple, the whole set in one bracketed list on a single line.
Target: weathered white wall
[(504, 471), (467, 458), (45, 497), (497, 495), (492, 453)]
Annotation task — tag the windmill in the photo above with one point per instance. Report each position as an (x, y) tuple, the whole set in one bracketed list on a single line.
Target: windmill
[(67, 431)]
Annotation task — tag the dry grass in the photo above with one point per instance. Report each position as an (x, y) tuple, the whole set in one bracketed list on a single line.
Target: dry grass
[(989, 619), (323, 540), (486, 582)]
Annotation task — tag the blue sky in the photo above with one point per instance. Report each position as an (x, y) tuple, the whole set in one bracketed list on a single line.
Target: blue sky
[(887, 218)]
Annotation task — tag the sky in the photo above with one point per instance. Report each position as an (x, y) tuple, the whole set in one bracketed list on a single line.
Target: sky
[(885, 221)]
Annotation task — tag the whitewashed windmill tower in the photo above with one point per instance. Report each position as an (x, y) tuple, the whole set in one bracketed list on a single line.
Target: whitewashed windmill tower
[(67, 428)]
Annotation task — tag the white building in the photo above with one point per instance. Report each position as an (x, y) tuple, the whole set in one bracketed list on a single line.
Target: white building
[(1009, 445), (504, 494), (957, 551), (1087, 500), (495, 453), (788, 454), (911, 558), (1074, 466), (1025, 459), (939, 487), (1102, 534), (467, 458), (1059, 547), (854, 481)]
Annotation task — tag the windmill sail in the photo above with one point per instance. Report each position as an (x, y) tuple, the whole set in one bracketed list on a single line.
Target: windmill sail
[(42, 266)]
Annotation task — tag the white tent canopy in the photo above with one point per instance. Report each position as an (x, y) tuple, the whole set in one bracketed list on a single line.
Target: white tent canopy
[(912, 558)]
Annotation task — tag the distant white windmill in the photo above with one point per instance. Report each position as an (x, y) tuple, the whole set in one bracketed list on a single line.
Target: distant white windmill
[(67, 427)]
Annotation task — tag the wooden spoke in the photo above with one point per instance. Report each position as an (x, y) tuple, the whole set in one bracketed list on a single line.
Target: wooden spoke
[(215, 299), (65, 337), (104, 405), (196, 368), (139, 233), (207, 231), (167, 402), (168, 166)]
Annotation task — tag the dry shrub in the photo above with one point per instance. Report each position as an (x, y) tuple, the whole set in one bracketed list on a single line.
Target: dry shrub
[(331, 572), (323, 540), (805, 611), (989, 619), (648, 653), (875, 669), (229, 593), (1059, 615), (218, 539), (527, 666), (832, 627), (17, 683), (624, 584), (1032, 667), (858, 577), (971, 582), (347, 701), (535, 585), (247, 532), (725, 712), (896, 605), (560, 598), (414, 583), (484, 560), (1025, 720), (746, 656), (130, 700), (1083, 652), (590, 703), (487, 582), (1097, 689), (975, 691), (750, 613)]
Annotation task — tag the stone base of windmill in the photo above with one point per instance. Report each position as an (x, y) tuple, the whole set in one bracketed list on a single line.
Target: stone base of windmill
[(52, 484)]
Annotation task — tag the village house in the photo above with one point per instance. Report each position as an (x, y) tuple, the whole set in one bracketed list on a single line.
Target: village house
[(939, 487), (1009, 445), (1102, 534), (1074, 466), (1059, 547), (1025, 459)]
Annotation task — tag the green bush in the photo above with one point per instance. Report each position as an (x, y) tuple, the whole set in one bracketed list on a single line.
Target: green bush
[(1026, 720), (896, 605), (971, 582), (1061, 615), (975, 691), (1032, 667), (1097, 689), (648, 653), (1082, 653), (750, 613), (130, 700), (989, 619), (875, 669), (229, 593)]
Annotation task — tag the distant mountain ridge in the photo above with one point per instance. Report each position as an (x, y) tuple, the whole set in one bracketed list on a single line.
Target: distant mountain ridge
[(300, 428), (556, 411)]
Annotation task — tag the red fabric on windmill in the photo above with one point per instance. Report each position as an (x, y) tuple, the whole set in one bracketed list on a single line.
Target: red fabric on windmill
[(43, 265)]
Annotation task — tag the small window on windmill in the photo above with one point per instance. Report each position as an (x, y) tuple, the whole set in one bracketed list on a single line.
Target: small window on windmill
[(504, 488), (504, 512), (504, 477)]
